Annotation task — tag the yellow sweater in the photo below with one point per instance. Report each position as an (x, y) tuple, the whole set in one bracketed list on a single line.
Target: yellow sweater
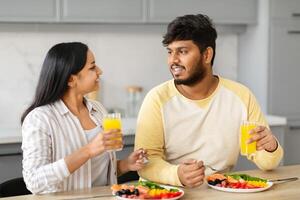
[(173, 128)]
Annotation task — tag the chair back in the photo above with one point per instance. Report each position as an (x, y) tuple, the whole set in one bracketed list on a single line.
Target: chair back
[(13, 187), (127, 177)]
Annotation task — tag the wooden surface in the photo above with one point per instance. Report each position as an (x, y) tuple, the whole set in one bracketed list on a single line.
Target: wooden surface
[(282, 191)]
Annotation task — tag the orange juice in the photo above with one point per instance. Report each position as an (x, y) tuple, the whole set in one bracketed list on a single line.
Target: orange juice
[(110, 123), (113, 121), (247, 149)]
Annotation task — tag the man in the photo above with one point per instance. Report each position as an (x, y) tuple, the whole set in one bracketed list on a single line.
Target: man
[(193, 120)]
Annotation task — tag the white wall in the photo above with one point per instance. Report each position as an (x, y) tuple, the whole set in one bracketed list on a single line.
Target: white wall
[(128, 55), (253, 55)]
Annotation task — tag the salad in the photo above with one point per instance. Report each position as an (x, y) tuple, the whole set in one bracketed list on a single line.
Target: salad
[(237, 181), (145, 190)]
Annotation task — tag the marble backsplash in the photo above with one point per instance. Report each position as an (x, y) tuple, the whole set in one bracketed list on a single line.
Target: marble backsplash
[(128, 55)]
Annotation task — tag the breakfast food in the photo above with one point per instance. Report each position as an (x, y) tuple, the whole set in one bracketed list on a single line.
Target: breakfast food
[(236, 181), (145, 190)]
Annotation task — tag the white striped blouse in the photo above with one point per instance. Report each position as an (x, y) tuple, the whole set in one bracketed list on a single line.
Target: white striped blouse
[(50, 133)]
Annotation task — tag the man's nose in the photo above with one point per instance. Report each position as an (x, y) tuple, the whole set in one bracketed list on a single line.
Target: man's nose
[(173, 59)]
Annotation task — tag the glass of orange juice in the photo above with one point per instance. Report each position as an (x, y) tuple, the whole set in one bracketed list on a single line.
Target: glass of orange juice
[(113, 121), (247, 149)]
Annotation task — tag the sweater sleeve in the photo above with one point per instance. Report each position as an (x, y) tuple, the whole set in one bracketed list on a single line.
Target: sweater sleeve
[(40, 173), (150, 135), (263, 159)]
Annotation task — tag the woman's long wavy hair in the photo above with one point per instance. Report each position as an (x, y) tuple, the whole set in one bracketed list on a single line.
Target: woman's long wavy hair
[(62, 60)]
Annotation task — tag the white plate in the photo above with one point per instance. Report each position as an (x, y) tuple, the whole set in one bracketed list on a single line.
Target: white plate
[(165, 186), (241, 190)]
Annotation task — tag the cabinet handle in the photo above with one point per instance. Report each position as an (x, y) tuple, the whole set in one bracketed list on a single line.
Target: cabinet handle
[(295, 14), (10, 154), (294, 32), (294, 127)]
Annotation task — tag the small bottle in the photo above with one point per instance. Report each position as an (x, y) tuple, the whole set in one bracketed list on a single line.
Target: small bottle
[(134, 97)]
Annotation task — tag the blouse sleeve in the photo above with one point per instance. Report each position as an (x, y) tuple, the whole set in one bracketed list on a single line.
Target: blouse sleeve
[(40, 173)]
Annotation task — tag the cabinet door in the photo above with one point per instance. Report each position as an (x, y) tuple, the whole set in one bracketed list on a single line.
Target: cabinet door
[(103, 11), (287, 9), (128, 148), (292, 147), (28, 11), (10, 161), (229, 11), (284, 70)]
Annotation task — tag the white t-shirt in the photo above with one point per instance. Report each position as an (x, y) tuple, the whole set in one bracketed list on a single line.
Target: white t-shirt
[(99, 163)]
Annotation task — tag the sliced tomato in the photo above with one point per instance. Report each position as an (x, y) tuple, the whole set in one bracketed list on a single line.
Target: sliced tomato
[(176, 194)]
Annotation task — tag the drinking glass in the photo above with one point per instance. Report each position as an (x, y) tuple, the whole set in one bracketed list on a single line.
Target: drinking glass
[(113, 121), (247, 149)]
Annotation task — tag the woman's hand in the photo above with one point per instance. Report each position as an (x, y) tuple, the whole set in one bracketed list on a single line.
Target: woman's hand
[(102, 142), (105, 141), (135, 161)]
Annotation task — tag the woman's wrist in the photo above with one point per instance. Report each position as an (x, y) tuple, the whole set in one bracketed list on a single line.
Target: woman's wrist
[(122, 166), (86, 150)]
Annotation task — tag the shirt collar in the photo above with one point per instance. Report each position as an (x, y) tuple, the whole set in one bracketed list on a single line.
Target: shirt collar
[(63, 109)]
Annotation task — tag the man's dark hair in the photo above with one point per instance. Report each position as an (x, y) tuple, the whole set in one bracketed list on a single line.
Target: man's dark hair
[(198, 28)]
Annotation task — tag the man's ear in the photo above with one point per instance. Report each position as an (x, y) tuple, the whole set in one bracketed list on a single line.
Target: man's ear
[(208, 55), (72, 81)]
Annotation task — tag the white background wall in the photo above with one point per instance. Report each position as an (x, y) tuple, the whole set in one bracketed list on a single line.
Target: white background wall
[(253, 55), (128, 55)]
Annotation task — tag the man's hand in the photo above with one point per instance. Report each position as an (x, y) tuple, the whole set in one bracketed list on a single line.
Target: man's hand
[(191, 173), (264, 138)]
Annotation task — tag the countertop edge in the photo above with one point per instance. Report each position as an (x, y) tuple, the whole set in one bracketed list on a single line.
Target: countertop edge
[(129, 126)]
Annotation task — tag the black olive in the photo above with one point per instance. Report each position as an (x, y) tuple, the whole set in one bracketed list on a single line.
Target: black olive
[(212, 183), (218, 181), (123, 191), (118, 193), (127, 191), (136, 192)]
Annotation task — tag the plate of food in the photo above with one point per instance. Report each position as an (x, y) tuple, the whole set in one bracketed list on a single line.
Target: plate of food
[(146, 190), (241, 183)]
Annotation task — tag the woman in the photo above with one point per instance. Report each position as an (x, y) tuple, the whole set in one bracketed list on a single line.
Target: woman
[(64, 147)]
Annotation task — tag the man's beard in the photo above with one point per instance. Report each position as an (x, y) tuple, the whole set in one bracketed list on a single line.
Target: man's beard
[(196, 76)]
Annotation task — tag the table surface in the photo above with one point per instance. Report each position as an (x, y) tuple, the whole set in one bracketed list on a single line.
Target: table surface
[(282, 191)]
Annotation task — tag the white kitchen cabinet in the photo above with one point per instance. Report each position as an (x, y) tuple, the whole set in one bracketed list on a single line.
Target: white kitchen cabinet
[(128, 147), (287, 9), (284, 70), (10, 161), (284, 67), (130, 11), (106, 11), (28, 11), (292, 149), (269, 65), (222, 12)]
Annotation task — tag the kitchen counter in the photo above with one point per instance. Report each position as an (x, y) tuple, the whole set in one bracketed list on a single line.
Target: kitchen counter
[(10, 135), (13, 135), (283, 191), (276, 120)]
